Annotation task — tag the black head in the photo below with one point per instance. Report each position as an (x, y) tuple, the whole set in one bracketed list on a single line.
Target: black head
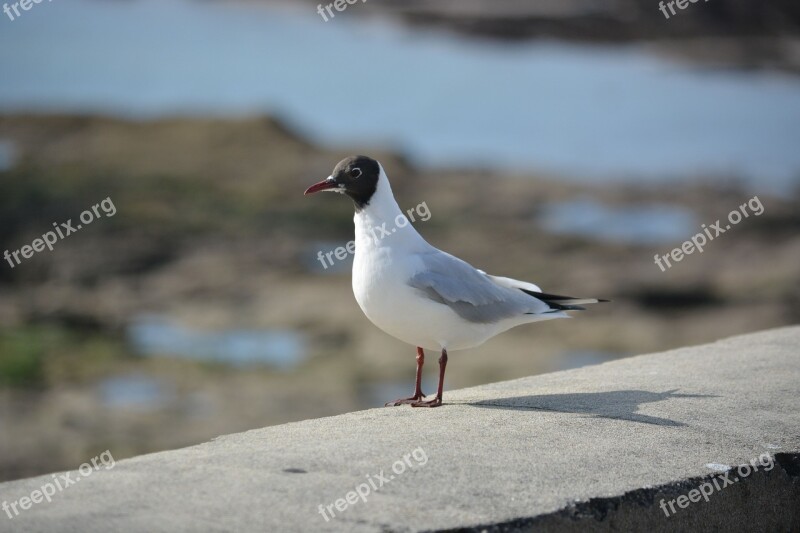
[(356, 176)]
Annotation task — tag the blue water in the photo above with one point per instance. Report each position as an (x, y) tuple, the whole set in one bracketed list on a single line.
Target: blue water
[(134, 392), (646, 225), (580, 111), (159, 336)]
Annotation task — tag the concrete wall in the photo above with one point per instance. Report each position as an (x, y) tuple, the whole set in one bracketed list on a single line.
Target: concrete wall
[(618, 446)]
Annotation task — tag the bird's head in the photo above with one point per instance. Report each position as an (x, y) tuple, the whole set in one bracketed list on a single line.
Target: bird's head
[(356, 176)]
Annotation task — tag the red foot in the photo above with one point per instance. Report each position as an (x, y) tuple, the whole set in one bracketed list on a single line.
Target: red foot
[(436, 402), (405, 401)]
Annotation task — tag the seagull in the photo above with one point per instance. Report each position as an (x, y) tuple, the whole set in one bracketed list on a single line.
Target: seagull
[(419, 294)]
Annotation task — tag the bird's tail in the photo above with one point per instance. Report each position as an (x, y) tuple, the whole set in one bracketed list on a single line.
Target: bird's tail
[(563, 303), (556, 302)]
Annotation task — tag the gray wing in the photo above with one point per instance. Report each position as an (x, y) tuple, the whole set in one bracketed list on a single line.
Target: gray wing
[(471, 293)]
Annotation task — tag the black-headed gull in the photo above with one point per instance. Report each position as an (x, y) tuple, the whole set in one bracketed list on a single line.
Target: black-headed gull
[(422, 295)]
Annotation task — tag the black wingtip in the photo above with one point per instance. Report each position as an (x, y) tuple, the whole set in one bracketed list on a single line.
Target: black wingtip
[(562, 303)]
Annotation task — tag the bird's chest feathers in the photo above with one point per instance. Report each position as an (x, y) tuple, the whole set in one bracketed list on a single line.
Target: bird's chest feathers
[(384, 262), (375, 270), (380, 271)]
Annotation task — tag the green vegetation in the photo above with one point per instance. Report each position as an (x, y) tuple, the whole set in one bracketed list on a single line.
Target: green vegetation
[(39, 356), (21, 358)]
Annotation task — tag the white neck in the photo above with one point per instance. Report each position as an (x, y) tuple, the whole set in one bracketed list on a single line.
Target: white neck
[(382, 215)]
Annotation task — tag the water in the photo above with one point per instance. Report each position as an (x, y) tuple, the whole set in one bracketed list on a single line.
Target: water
[(155, 335), (590, 112), (134, 392), (645, 225)]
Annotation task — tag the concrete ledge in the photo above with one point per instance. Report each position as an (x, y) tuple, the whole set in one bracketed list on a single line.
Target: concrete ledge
[(595, 449)]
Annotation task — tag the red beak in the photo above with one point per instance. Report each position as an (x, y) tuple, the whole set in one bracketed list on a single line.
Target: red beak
[(323, 185)]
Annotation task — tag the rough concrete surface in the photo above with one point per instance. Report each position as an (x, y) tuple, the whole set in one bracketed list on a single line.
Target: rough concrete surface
[(595, 448)]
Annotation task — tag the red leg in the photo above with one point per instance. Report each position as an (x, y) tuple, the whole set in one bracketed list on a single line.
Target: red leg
[(418, 395), (436, 402)]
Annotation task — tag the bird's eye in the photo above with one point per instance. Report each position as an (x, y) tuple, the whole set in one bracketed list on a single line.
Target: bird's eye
[(355, 173)]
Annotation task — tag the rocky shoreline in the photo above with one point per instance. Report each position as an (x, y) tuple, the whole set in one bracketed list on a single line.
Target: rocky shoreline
[(736, 34)]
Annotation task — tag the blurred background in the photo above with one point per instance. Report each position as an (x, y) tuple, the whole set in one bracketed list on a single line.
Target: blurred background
[(564, 142)]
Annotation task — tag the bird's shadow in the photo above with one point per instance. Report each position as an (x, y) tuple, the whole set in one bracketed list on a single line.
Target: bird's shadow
[(618, 405)]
